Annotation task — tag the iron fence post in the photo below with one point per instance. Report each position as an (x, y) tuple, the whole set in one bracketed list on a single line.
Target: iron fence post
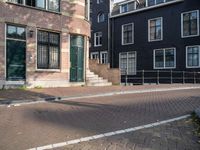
[(158, 74), (171, 77), (194, 78), (126, 77), (183, 77), (142, 77)]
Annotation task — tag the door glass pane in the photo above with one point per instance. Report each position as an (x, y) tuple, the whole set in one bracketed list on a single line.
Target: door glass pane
[(15, 59)]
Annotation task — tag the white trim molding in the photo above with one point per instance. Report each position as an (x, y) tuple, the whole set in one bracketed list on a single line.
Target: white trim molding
[(99, 40), (182, 32)]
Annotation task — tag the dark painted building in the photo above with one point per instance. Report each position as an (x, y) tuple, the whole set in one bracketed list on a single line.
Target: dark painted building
[(154, 35)]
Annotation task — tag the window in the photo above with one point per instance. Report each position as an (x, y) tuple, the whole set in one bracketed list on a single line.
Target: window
[(52, 5), (127, 63), (98, 39), (101, 17), (94, 55), (103, 57), (155, 29), (99, 1), (48, 50), (190, 23), (193, 56), (127, 34), (124, 8), (165, 58), (156, 2)]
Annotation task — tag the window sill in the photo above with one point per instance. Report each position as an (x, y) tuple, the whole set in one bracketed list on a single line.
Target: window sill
[(189, 36), (127, 44), (165, 68), (36, 8), (48, 70), (192, 67)]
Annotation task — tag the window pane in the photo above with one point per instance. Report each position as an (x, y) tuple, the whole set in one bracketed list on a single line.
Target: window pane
[(159, 58), (169, 58), (193, 56), (31, 3), (16, 1), (11, 31), (159, 1), (53, 5), (42, 57), (155, 29), (123, 63), (53, 57), (151, 2), (40, 3), (16, 32)]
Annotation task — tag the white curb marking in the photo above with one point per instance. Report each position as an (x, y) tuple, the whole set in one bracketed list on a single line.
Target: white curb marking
[(108, 134)]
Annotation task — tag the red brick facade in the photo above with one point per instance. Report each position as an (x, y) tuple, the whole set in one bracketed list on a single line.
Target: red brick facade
[(70, 20)]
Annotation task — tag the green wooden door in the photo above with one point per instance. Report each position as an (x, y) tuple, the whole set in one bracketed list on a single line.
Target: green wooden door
[(77, 58), (15, 60)]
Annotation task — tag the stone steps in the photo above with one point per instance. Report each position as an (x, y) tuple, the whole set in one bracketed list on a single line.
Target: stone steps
[(94, 80)]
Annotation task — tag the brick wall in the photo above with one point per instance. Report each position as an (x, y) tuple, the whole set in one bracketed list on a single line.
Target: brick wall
[(69, 21), (103, 70)]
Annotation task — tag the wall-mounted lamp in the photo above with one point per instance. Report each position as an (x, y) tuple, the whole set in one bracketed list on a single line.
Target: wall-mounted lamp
[(31, 33)]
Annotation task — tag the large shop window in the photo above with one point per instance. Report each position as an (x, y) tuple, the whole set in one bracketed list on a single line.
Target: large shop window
[(193, 56), (190, 23), (52, 5), (48, 50), (127, 63), (165, 58)]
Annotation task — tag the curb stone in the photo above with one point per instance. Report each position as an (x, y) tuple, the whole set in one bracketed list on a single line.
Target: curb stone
[(54, 99)]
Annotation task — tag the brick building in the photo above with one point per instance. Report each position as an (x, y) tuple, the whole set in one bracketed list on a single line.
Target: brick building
[(43, 42)]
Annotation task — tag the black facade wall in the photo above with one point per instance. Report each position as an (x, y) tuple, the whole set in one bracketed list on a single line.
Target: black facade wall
[(171, 35), (99, 27)]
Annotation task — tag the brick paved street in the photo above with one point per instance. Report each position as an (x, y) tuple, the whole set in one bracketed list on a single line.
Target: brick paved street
[(172, 136), (41, 124)]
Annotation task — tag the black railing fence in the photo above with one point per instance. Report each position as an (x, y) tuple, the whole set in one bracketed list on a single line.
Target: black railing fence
[(160, 77)]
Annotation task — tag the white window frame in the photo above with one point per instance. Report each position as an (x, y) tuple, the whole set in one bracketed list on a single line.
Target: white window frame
[(121, 10), (94, 53), (101, 53), (197, 24), (164, 61), (95, 43), (134, 73), (149, 33), (122, 34), (187, 56)]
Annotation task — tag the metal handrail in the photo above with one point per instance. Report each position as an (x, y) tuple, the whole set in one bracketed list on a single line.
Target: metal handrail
[(159, 76)]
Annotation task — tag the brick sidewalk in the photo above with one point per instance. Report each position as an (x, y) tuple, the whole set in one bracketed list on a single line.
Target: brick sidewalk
[(8, 96), (29, 126)]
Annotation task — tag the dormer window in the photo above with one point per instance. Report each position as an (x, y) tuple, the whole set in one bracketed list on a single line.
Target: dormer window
[(124, 8), (155, 2)]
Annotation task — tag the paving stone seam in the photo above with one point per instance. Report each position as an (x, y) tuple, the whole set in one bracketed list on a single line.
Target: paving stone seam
[(108, 134)]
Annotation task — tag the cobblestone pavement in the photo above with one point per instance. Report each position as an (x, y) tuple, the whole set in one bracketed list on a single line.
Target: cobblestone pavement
[(177, 135), (37, 94), (36, 125)]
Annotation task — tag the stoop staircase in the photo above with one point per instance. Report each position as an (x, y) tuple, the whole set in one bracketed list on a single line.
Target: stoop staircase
[(94, 80)]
